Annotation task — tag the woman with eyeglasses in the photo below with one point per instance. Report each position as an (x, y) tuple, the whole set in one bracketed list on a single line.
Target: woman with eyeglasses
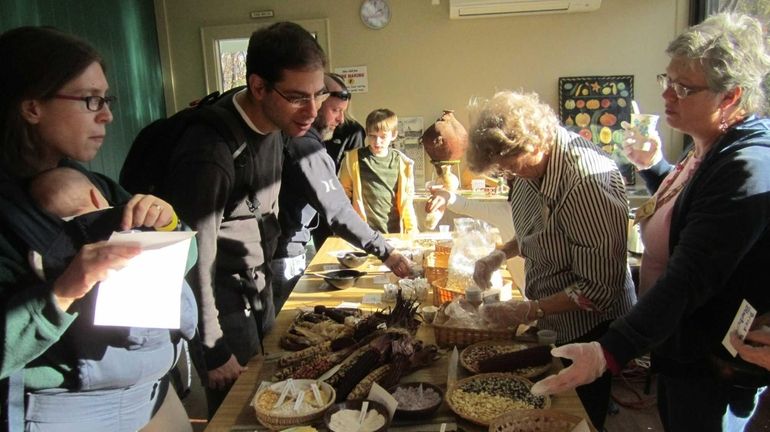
[(59, 371), (706, 235)]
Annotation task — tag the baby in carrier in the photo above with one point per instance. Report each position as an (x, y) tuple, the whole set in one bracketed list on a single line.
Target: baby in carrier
[(107, 357)]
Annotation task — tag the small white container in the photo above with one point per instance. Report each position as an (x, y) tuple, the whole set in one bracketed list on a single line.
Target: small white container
[(546, 337)]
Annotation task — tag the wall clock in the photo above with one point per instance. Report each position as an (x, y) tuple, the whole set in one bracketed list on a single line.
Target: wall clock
[(375, 13)]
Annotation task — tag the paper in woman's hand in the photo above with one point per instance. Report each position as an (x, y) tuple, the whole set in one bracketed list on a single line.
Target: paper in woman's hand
[(147, 291)]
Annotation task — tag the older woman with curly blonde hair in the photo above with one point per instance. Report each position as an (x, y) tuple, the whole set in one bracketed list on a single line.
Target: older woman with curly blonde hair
[(569, 211), (508, 124)]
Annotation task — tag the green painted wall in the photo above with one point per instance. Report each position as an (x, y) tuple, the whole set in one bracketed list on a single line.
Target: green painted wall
[(124, 32)]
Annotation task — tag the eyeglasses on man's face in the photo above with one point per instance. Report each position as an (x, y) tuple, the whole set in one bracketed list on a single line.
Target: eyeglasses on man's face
[(342, 94), (682, 91), (303, 101), (93, 103)]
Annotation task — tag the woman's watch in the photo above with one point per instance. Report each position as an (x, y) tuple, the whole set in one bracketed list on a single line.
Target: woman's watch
[(539, 312)]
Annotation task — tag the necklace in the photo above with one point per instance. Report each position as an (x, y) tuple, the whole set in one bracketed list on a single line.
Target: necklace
[(664, 194)]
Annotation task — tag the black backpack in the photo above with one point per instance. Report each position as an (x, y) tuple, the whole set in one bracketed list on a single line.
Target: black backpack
[(148, 160)]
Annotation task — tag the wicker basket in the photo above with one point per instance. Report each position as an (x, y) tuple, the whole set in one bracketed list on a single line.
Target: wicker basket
[(462, 337), (279, 422), (448, 336), (473, 367), (477, 414), (544, 420), (436, 266), (441, 294), (444, 247)]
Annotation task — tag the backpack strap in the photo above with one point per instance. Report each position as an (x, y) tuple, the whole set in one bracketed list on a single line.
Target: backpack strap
[(238, 143)]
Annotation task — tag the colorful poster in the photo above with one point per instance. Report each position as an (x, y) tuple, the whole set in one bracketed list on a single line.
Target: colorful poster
[(594, 107)]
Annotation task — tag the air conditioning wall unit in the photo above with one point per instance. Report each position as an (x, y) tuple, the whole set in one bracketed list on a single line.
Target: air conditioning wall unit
[(462, 9)]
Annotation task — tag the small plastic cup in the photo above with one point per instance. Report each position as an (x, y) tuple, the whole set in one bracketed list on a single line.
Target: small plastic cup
[(646, 124), (390, 292), (429, 313), (641, 130), (443, 228), (546, 337)]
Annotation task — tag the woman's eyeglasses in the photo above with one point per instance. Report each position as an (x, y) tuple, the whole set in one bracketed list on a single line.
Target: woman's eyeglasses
[(682, 91), (93, 103)]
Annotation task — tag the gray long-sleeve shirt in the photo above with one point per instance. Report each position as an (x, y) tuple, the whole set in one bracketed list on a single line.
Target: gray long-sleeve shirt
[(310, 185)]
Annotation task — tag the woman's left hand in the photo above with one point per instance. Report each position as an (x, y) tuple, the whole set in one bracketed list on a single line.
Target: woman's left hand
[(507, 314), (148, 211)]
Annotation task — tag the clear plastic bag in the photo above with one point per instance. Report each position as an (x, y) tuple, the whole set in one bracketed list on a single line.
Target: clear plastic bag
[(473, 239), (460, 313)]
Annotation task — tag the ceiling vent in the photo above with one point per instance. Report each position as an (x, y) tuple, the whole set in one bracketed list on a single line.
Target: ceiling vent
[(460, 9)]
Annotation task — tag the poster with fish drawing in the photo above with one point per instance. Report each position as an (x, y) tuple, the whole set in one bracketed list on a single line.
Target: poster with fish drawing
[(594, 106)]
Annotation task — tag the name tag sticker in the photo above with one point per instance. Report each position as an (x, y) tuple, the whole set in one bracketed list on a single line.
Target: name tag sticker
[(741, 323), (372, 299)]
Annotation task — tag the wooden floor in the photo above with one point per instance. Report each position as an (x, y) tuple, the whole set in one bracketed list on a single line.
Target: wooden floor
[(633, 410)]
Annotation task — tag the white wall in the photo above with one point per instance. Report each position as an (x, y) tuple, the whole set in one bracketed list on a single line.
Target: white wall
[(423, 62)]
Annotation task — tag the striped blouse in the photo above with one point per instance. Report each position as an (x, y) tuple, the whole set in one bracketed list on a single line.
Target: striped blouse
[(571, 226)]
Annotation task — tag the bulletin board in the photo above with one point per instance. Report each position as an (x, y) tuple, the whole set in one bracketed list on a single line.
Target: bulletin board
[(594, 107), (410, 130)]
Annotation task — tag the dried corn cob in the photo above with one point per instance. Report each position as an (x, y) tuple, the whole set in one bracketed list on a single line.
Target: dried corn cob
[(313, 368), (361, 390), (511, 361), (346, 365), (315, 351), (368, 361), (305, 354)]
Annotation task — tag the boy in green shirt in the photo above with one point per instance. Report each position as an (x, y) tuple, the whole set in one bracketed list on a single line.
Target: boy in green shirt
[(380, 180)]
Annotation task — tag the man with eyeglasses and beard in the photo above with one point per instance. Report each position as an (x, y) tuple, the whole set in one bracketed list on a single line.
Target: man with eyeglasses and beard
[(309, 187)]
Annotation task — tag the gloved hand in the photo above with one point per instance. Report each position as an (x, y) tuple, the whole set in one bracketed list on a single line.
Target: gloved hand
[(482, 273), (642, 151), (588, 364), (506, 314)]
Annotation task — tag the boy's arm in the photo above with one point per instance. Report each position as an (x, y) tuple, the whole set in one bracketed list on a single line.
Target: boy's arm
[(345, 179), (408, 214)]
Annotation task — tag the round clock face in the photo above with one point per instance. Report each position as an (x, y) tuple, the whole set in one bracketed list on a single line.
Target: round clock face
[(375, 13)]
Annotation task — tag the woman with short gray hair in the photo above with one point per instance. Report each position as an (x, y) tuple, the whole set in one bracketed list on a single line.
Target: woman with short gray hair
[(706, 233)]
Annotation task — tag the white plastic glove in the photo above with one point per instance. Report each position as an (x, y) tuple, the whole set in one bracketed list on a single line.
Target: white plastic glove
[(482, 272), (506, 314), (588, 364)]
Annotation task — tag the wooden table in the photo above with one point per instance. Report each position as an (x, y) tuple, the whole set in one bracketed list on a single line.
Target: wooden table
[(235, 413)]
